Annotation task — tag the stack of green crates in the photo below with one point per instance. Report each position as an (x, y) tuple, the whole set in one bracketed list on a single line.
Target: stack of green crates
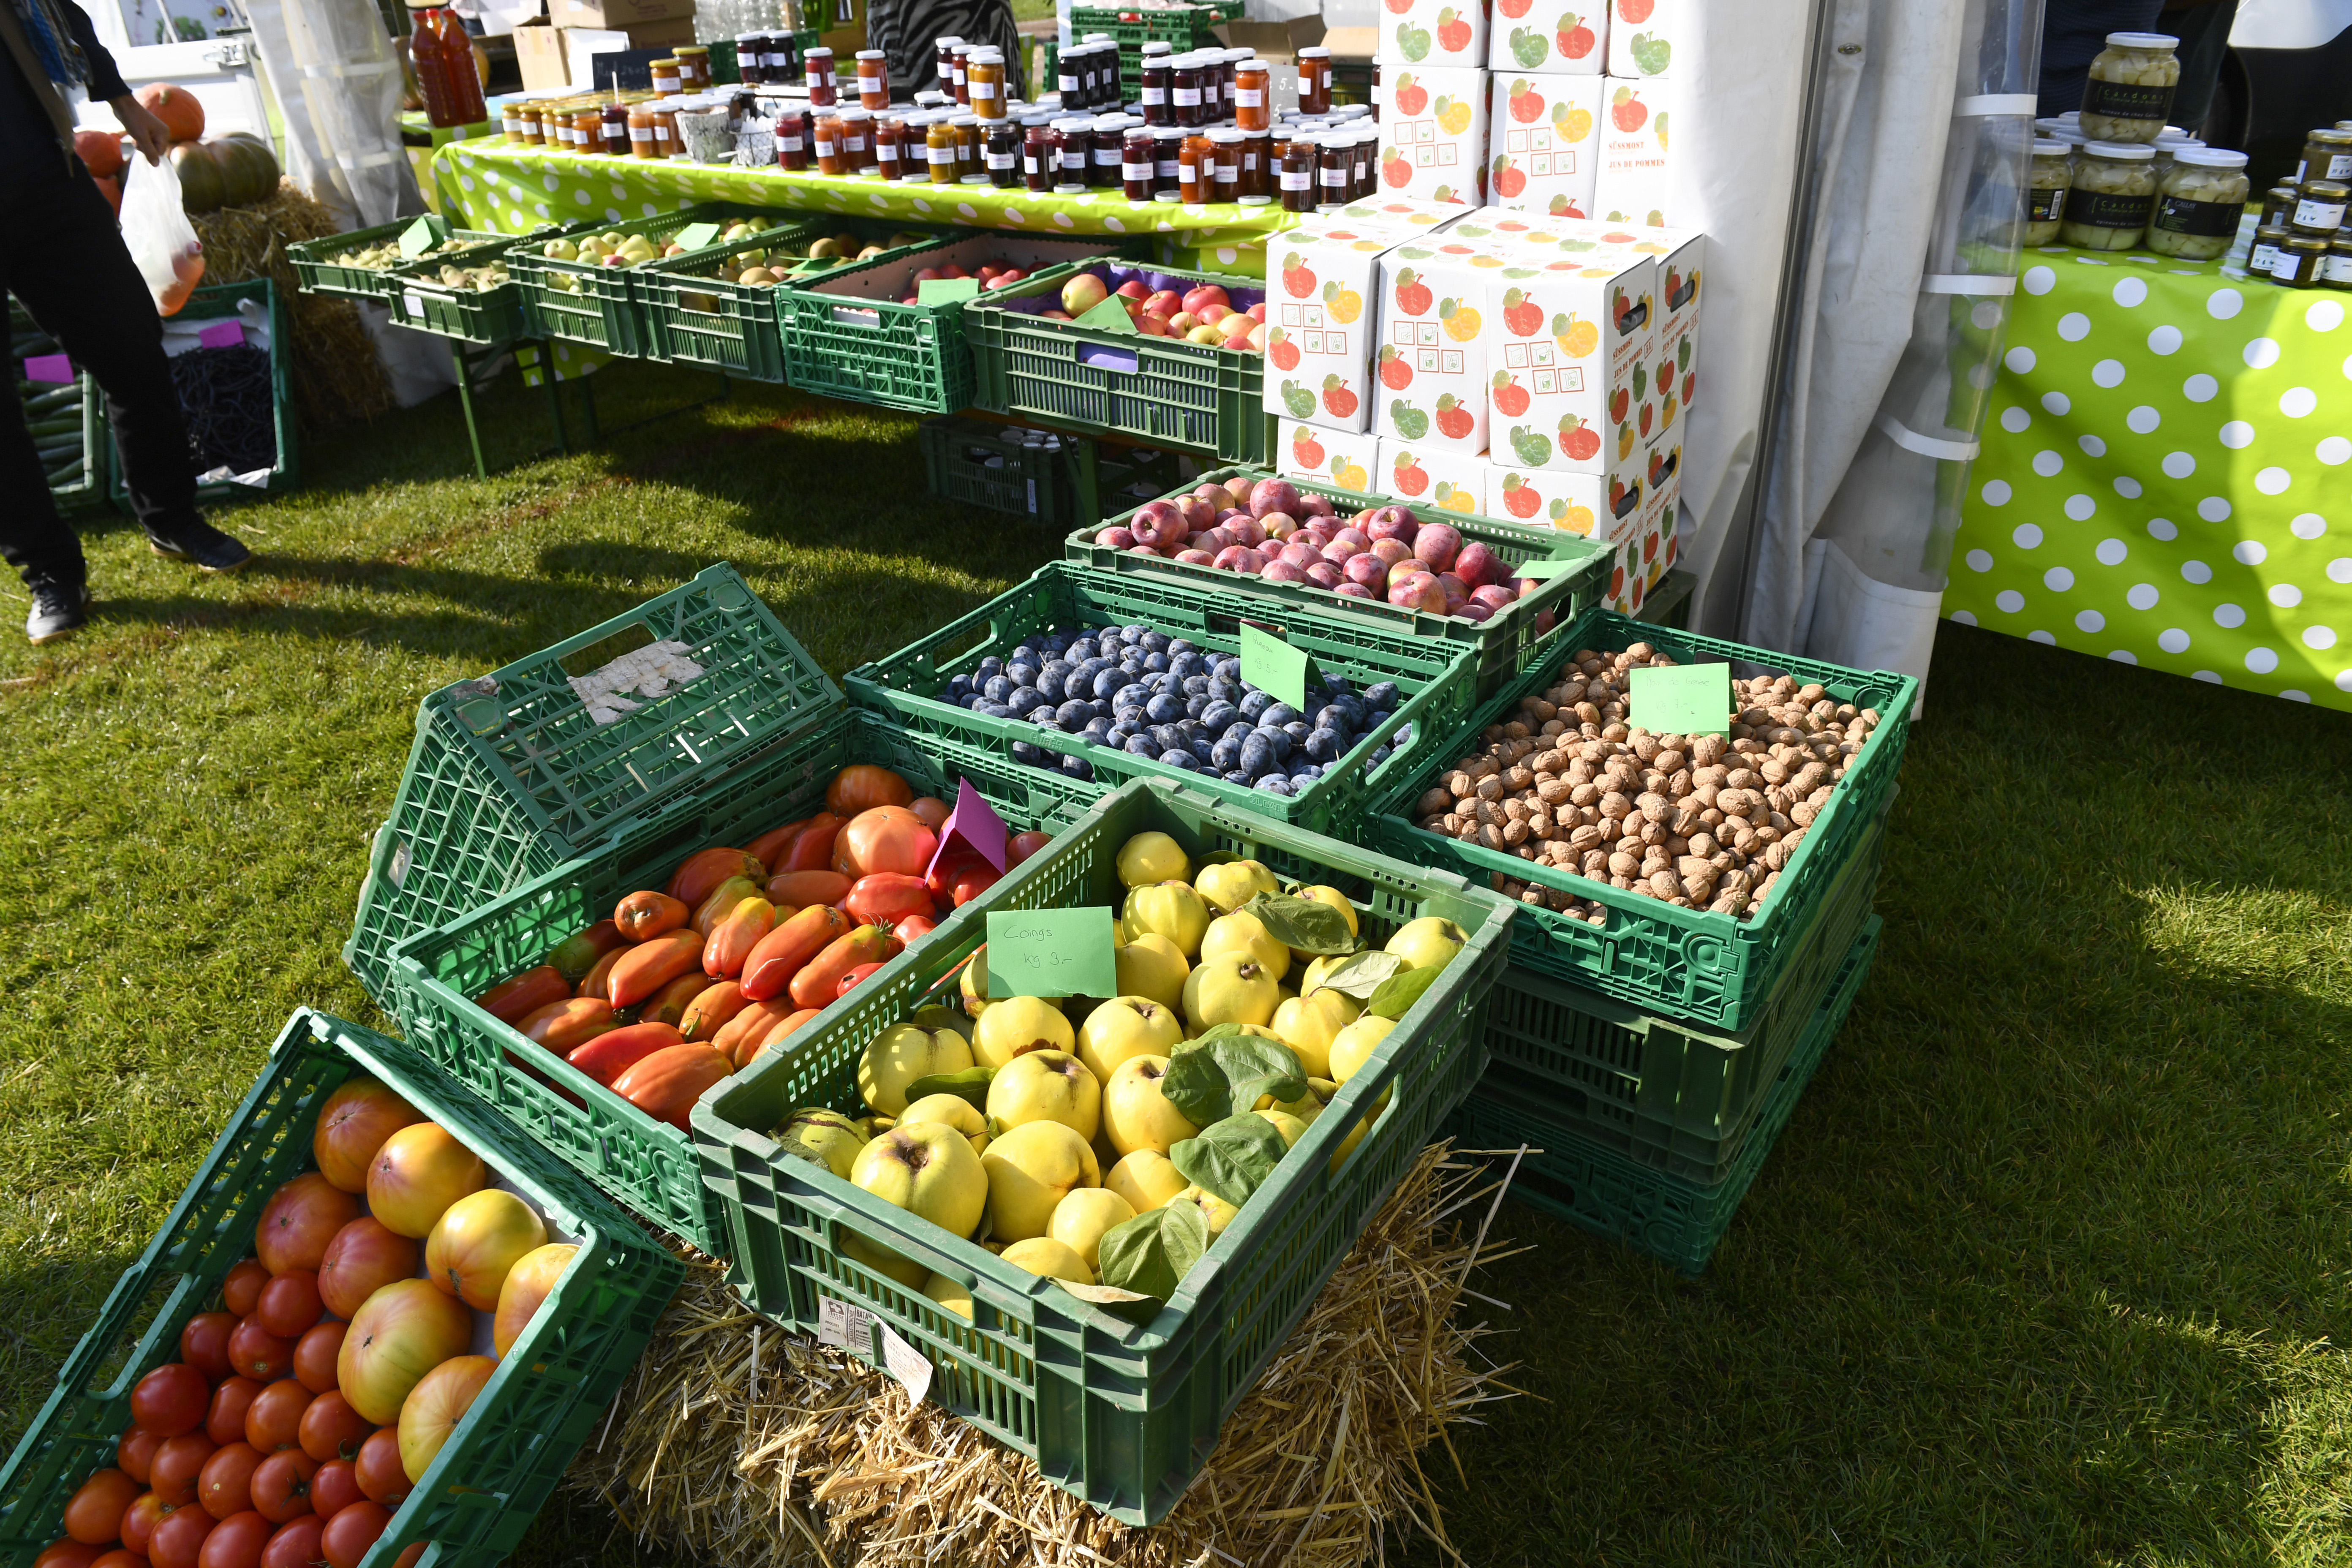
[(1185, 26), (1655, 1057)]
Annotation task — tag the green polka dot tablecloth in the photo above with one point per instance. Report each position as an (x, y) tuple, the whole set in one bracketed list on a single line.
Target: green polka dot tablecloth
[(511, 187), (2163, 480)]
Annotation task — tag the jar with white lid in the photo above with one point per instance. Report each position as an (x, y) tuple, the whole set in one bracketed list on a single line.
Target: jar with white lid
[(2129, 95), (2045, 198), (2199, 202), (2108, 204)]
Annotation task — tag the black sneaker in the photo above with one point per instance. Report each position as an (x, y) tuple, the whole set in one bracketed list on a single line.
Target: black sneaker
[(60, 608), (203, 546)]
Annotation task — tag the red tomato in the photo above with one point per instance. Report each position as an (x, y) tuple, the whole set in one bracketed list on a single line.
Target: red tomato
[(281, 1487), (275, 1422), (336, 1487), (972, 882), (180, 1538), (231, 1402), (139, 1523), (117, 1558), (255, 1351), (296, 1544), (352, 1531), (243, 1286), (288, 1304), (913, 929), (332, 1429), (379, 1471), (851, 978), (94, 1513), (236, 1541), (171, 1399), (135, 1451), (68, 1553), (315, 1354), (178, 1463), (224, 1486), (204, 1343), (1025, 845)]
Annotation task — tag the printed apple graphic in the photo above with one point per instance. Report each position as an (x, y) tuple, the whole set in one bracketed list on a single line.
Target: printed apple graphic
[(1341, 402), (1297, 282), (1396, 371), (1453, 32), (1514, 7), (1526, 104), (1281, 350), (1455, 420), (1573, 519), (1658, 469), (1575, 40), (1410, 97), (1306, 450), (1411, 479), (1563, 207), (1521, 315), (1627, 112), (1624, 442), (1621, 401), (1622, 499), (1395, 169), (1508, 180), (1690, 384), (1647, 410), (1579, 440), (1412, 296), (1510, 397), (1399, 7), (1520, 498), (1635, 11)]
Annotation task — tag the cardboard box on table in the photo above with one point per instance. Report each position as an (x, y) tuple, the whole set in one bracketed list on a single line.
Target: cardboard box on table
[(1402, 213), (1634, 185), (539, 55), (1563, 499), (1648, 549), (1645, 37), (1557, 37), (1433, 134), (1414, 33), (1430, 368), (1570, 344), (1323, 321), (1345, 460), (1543, 143), (1433, 478)]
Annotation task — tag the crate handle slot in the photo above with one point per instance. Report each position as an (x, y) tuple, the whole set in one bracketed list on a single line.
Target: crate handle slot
[(1123, 361), (855, 316)]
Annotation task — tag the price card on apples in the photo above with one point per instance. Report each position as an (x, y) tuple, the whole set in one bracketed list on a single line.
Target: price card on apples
[(1681, 698), (1273, 665), (1544, 570), (1108, 315), (418, 238), (1051, 952), (946, 290), (695, 236)]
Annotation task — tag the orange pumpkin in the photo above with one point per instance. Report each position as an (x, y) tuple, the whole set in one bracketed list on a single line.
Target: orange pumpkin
[(176, 107), (862, 787), (885, 839)]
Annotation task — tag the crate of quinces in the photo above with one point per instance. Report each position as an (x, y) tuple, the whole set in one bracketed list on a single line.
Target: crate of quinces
[(1091, 1219), (372, 1313), (593, 1005), (1688, 872)]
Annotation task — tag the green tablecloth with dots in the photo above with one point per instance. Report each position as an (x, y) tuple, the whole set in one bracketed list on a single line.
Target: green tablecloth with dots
[(2163, 479), (511, 187)]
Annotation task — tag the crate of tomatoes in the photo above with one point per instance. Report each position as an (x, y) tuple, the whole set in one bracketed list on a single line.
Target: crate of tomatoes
[(376, 1323)]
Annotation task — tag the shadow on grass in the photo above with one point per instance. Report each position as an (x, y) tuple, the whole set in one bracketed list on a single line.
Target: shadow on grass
[(2037, 1272)]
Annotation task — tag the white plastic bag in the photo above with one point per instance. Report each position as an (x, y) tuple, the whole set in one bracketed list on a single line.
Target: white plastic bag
[(157, 230)]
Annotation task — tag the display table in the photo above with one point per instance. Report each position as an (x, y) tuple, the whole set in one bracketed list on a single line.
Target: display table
[(504, 186), (2163, 479)]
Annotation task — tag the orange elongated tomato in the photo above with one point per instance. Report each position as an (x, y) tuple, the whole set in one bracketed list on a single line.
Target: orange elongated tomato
[(567, 1024), (801, 888), (665, 1084), (650, 965), (819, 979), (769, 847), (783, 1029), (609, 1055), (722, 901), (772, 965), (885, 898), (711, 1010), (511, 1001), (645, 914), (668, 1004), (747, 1027), (862, 786), (734, 938), (702, 871)]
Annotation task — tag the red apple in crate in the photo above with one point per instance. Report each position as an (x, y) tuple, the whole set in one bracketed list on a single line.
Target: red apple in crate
[(1339, 550), (1116, 538), (1318, 506), (1435, 545), (1200, 302), (1245, 530), (1196, 557), (1355, 591), (1300, 553), (1239, 558), (1494, 595), (1457, 591), (1213, 539), (1390, 552), (1132, 288), (1368, 571), (1158, 524), (1163, 304), (1082, 293), (1324, 574), (1472, 611), (1279, 526), (1479, 565), (1417, 591), (1281, 571), (1268, 496), (1389, 523), (1197, 513), (1353, 535)]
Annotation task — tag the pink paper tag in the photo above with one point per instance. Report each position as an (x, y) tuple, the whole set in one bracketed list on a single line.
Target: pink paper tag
[(972, 825), (49, 367), (222, 335)]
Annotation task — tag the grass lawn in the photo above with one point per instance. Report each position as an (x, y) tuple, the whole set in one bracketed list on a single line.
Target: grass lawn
[(2050, 1267)]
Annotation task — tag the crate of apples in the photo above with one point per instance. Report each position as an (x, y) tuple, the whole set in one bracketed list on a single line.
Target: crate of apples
[(991, 274), (1202, 313)]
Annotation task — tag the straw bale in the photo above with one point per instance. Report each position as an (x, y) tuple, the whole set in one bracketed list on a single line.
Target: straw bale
[(736, 1443)]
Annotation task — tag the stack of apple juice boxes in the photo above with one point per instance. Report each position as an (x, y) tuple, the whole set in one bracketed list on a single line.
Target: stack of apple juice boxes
[(1530, 370)]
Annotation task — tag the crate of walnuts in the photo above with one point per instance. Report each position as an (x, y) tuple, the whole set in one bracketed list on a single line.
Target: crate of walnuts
[(1689, 875)]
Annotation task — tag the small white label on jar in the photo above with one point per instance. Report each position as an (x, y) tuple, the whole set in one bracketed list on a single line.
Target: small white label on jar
[(1154, 97), (1069, 84), (1074, 158), (1187, 97), (1136, 172), (825, 148), (999, 160), (2339, 166), (661, 132), (853, 143), (2285, 265), (1249, 97), (1106, 157), (1297, 180), (2310, 212), (1165, 169), (2265, 257), (943, 154), (1227, 173), (1028, 162), (1336, 177), (2336, 269), (983, 90), (790, 143)]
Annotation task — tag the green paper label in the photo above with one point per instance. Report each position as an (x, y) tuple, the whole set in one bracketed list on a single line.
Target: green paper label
[(695, 236), (946, 290), (418, 238), (1274, 666), (1111, 316), (1681, 700), (1051, 952), (1547, 568)]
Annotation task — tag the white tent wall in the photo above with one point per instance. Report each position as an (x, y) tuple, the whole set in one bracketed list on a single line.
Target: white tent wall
[(1921, 130)]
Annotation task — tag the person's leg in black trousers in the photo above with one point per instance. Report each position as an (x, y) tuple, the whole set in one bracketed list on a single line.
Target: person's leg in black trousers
[(71, 272)]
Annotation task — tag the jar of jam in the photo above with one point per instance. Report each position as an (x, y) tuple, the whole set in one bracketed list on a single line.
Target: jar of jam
[(828, 143), (527, 126), (1367, 164), (1257, 168), (984, 79), (1225, 165), (1296, 171), (694, 68), (1253, 95), (795, 131), (1090, 77), (667, 143), (1185, 91), (1000, 153), (1158, 71), (1228, 63), (873, 79), (613, 131), (639, 118), (750, 58), (1193, 170), (588, 130), (857, 154), (2300, 260), (1167, 156), (1037, 152), (1315, 79), (1109, 144), (939, 150), (824, 90), (1068, 75), (784, 63), (943, 57), (1135, 163), (969, 167), (890, 147), (1074, 152), (668, 79), (510, 121), (1334, 163), (960, 73)]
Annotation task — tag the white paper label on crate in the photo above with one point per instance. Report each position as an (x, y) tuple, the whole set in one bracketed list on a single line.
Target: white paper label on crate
[(845, 1325), (414, 301), (907, 1364)]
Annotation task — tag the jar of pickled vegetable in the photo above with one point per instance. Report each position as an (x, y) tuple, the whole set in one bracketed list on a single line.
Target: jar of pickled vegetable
[(669, 81), (2199, 202), (984, 76), (2336, 273), (2045, 198), (2300, 260), (1253, 95), (2269, 240), (2129, 95), (694, 68), (2327, 155), (2278, 206), (943, 57), (1158, 72), (2107, 206), (824, 90), (828, 144), (1315, 81), (939, 150), (2319, 209), (1104, 173), (1257, 170), (1037, 154), (873, 79)]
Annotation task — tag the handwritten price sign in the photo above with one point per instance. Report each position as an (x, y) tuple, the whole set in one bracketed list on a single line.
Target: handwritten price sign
[(1051, 952)]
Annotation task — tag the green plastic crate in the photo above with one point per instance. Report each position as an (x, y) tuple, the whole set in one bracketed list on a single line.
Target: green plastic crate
[(847, 334), (221, 300), (1599, 1188), (546, 1398), (1508, 643), (316, 273), (1161, 391), (609, 307), (1435, 674), (81, 484), (1709, 970), (1000, 468), (1187, 27), (1681, 1100), (420, 300), (647, 1164), (1120, 1414), (510, 776)]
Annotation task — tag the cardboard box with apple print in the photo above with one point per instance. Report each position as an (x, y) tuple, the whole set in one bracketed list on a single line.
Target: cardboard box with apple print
[(1430, 369), (1649, 550), (1433, 134), (1400, 213), (1433, 478), (1436, 33), (1557, 37), (1556, 498), (1645, 35), (1543, 141), (1635, 184), (1570, 346), (1323, 290), (1344, 459)]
